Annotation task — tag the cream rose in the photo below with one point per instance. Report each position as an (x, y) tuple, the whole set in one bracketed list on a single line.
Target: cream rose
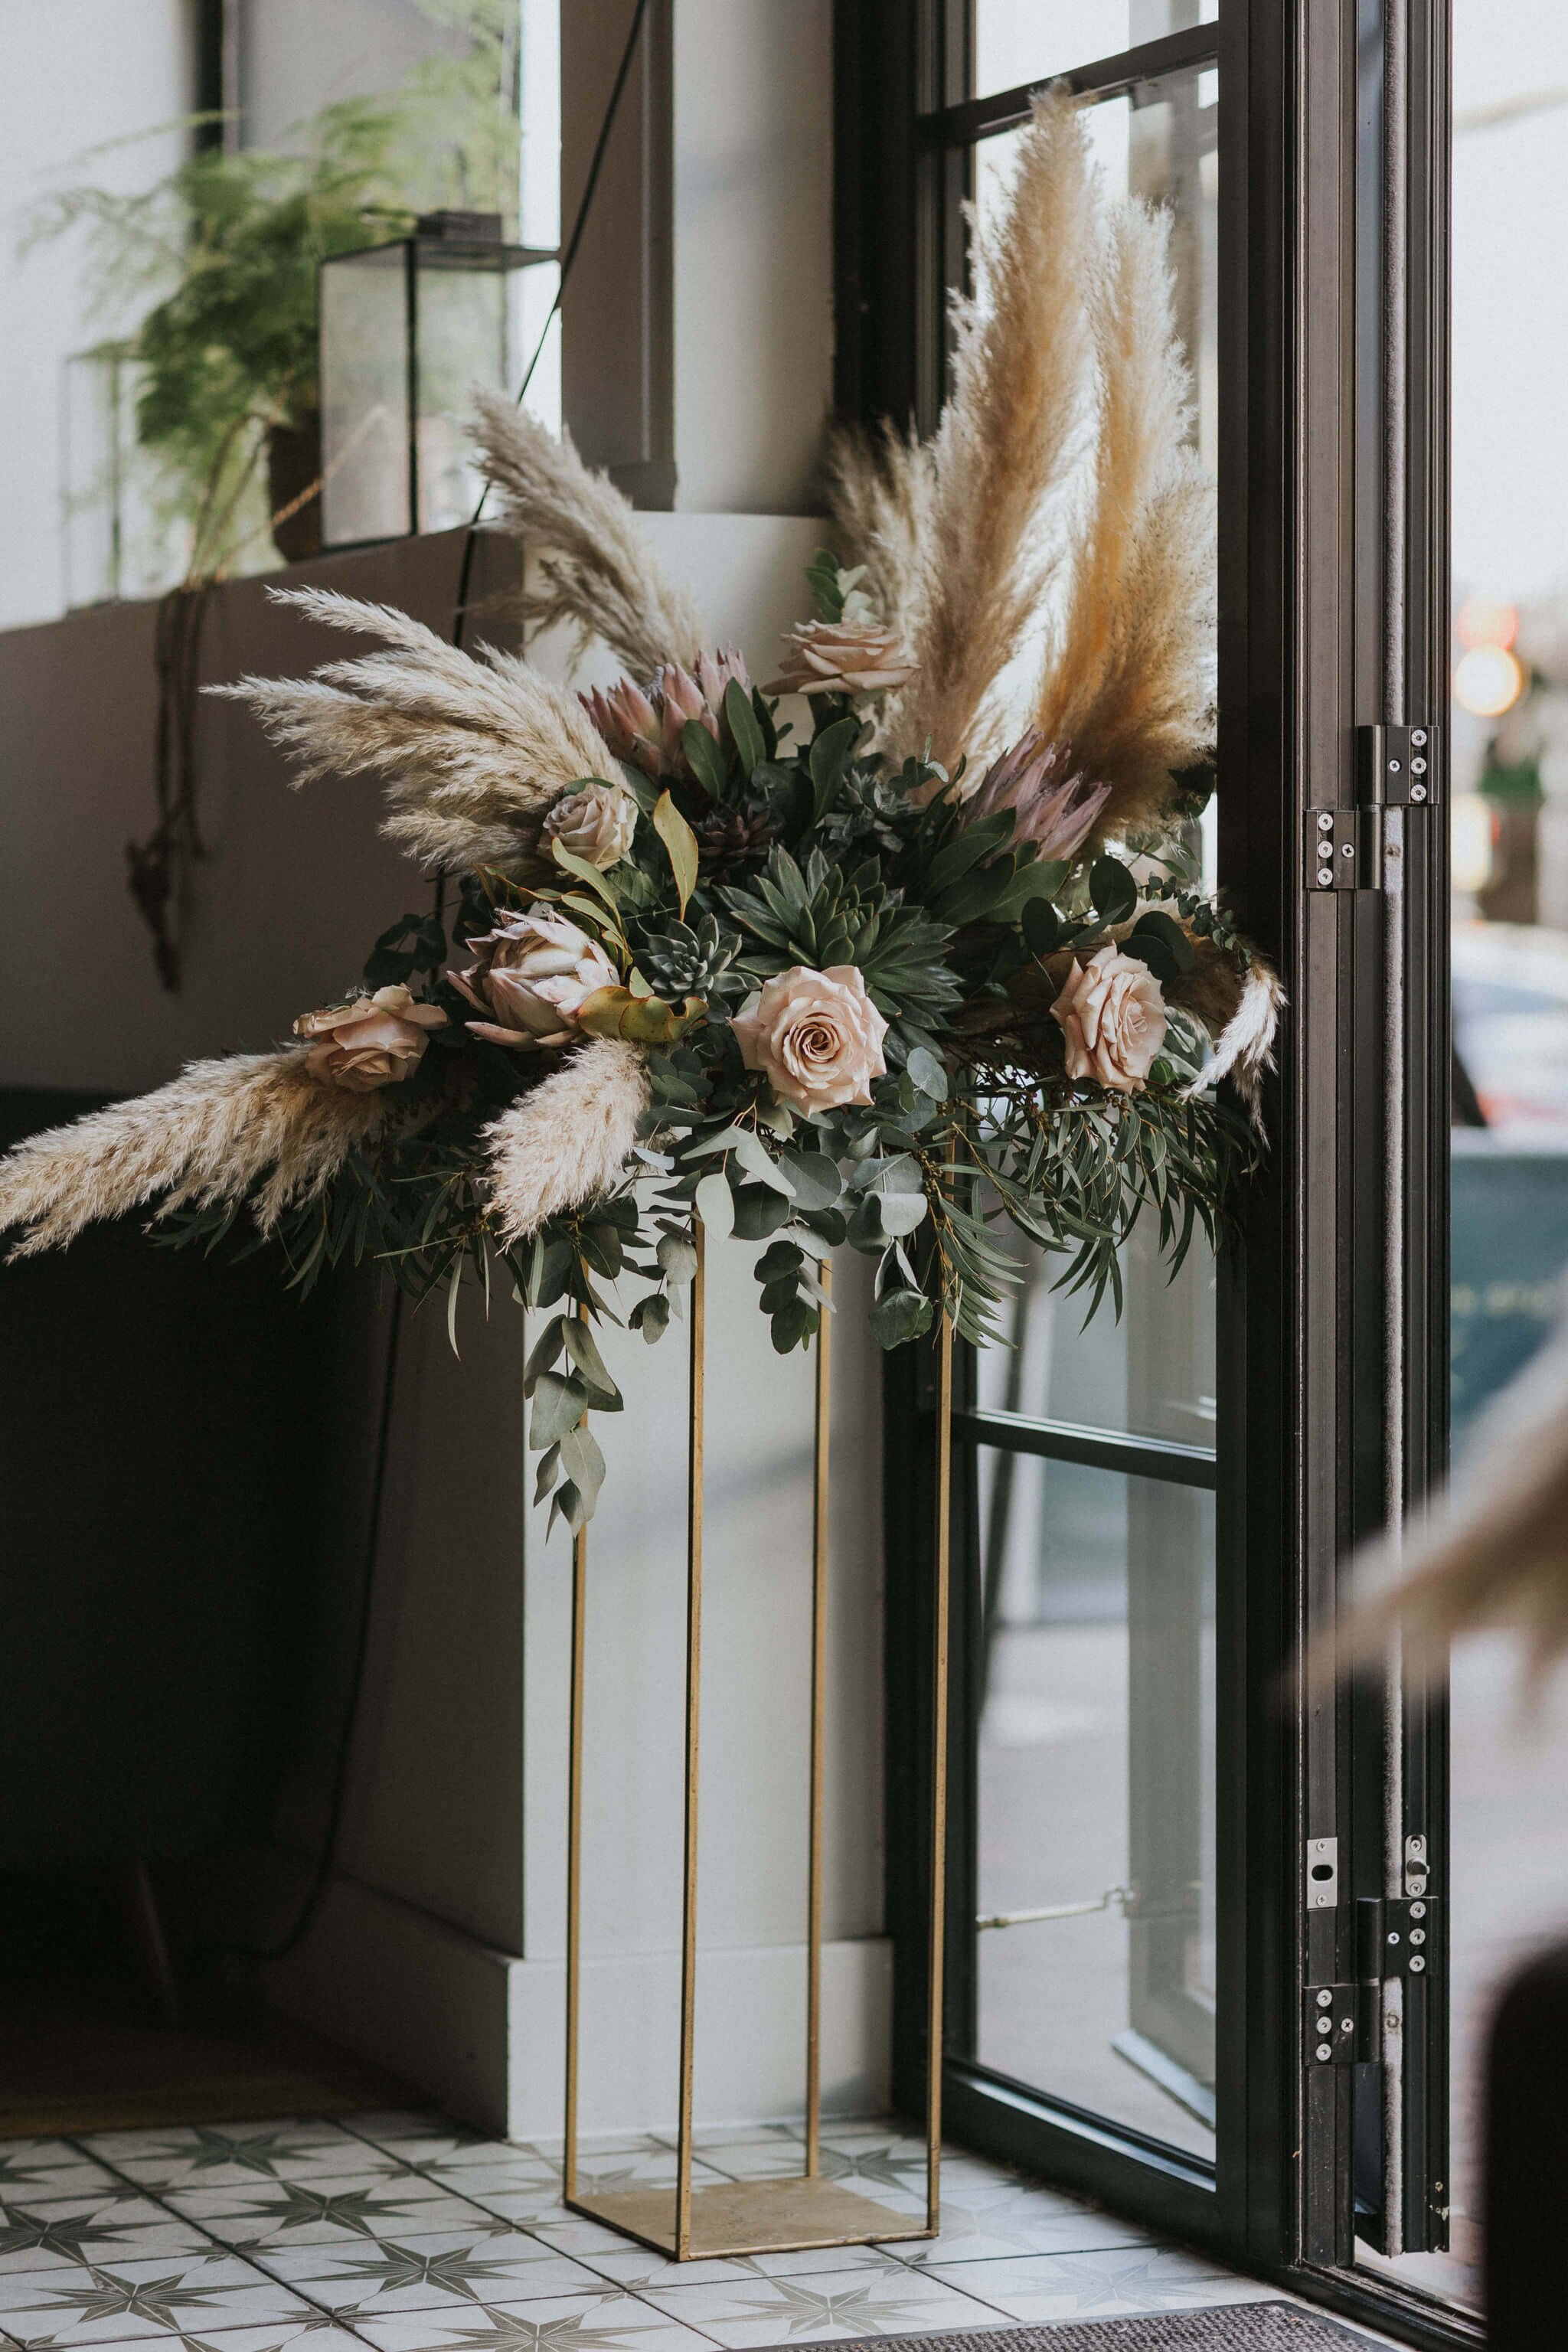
[(372, 1042), (815, 1036), (1112, 1016), (596, 824), (534, 971), (842, 657)]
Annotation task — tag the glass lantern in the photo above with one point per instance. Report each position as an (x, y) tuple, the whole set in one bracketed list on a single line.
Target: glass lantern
[(407, 330)]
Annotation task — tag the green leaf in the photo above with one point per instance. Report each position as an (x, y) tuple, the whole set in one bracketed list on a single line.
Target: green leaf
[(984, 838), (812, 1175), (704, 759), (829, 762), (901, 1315), (742, 720), (1156, 925), (755, 1159), (587, 873), (715, 1204), (760, 1211), (582, 1462), (1042, 926), (1033, 885), (545, 1349), (793, 1326), (589, 1365), (677, 1257), (559, 1404), (928, 1073), (899, 1212), (680, 841), (650, 1316), (1112, 890)]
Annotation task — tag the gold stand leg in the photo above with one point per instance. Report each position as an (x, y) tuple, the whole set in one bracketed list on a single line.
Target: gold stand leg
[(693, 1743), (820, 1458), (574, 1851), (939, 1775)]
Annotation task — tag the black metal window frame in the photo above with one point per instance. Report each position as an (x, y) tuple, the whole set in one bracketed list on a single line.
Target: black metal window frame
[(1305, 458)]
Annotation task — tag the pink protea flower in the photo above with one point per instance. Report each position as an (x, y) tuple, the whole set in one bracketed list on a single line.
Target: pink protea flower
[(1052, 805), (646, 727)]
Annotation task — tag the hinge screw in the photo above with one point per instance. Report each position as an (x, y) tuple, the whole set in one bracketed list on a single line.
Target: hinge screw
[(1418, 767), (1417, 792), (1325, 1998), (1418, 1910), (1325, 821), (1325, 2051), (1347, 849), (1325, 875), (1393, 1935), (1394, 767), (1418, 735), (1347, 2025), (1416, 1964)]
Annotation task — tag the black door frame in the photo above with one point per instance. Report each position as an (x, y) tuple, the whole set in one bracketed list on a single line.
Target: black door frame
[(1322, 564)]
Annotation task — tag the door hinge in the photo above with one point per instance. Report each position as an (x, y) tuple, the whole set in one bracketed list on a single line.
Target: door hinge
[(1395, 767), (1395, 1936), (1336, 2027)]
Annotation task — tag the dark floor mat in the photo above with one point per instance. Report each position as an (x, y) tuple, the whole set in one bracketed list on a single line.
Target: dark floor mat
[(1237, 2328)]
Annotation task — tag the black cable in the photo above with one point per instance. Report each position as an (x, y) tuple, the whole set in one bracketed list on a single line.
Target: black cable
[(568, 256), (305, 1917)]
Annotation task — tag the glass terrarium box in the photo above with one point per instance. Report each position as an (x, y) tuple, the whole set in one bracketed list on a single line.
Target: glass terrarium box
[(407, 330)]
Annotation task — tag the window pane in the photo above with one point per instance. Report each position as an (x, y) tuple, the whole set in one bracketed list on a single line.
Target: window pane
[(1018, 41), (1097, 1778), (1149, 1374), (1163, 150)]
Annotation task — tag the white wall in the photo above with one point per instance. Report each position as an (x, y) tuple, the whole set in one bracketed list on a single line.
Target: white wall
[(753, 252), (76, 74)]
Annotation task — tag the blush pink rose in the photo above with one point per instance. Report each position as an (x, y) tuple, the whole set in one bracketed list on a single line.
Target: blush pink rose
[(815, 1036), (372, 1042), (1112, 1015)]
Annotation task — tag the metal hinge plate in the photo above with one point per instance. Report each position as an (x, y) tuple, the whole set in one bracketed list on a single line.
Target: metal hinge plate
[(1333, 2024), (1338, 850), (1399, 767), (1396, 1935)]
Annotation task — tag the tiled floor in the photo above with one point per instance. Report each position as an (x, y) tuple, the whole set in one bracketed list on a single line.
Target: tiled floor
[(403, 2234)]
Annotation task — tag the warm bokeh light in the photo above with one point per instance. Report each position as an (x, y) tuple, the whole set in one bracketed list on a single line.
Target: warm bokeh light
[(1488, 681), (1471, 828), (1483, 620)]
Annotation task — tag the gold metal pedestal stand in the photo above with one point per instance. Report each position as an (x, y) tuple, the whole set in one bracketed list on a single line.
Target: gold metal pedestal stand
[(754, 2217)]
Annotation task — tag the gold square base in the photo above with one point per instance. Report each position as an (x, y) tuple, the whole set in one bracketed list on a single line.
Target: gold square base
[(751, 2216)]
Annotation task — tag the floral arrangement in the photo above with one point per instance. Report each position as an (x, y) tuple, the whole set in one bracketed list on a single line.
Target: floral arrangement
[(896, 949)]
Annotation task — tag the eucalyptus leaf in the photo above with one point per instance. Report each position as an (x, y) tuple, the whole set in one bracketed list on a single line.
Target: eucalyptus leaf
[(559, 1403), (1112, 890), (715, 1204)]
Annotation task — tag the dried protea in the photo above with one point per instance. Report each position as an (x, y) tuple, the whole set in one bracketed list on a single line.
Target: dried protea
[(1053, 805), (648, 726), (842, 657), (729, 838), (535, 972)]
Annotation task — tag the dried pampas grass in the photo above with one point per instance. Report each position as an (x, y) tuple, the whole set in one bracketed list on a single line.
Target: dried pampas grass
[(1128, 681), (1493, 1554), (974, 504), (475, 750), (209, 1136), (568, 1138), (1241, 1008), (598, 571), (880, 487)]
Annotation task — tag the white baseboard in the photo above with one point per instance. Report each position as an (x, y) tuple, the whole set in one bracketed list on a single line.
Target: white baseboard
[(483, 2032)]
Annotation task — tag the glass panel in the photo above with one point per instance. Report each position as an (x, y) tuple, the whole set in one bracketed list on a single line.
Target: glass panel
[(1096, 1789), (1510, 851), (467, 337), (1163, 150), (1019, 41), (1151, 1374), (364, 397)]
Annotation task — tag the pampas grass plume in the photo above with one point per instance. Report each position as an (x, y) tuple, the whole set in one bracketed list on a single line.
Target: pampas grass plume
[(598, 569), (568, 1138), (474, 751), (209, 1136)]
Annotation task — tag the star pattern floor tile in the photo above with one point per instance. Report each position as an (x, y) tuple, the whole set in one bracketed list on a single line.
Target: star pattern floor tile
[(407, 2232)]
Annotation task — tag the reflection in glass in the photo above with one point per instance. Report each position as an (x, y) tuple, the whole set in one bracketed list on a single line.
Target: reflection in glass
[(1097, 1778), (1150, 1372), (1018, 41)]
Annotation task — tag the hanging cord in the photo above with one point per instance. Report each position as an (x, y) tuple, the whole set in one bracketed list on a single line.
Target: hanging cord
[(568, 256), (326, 1863)]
